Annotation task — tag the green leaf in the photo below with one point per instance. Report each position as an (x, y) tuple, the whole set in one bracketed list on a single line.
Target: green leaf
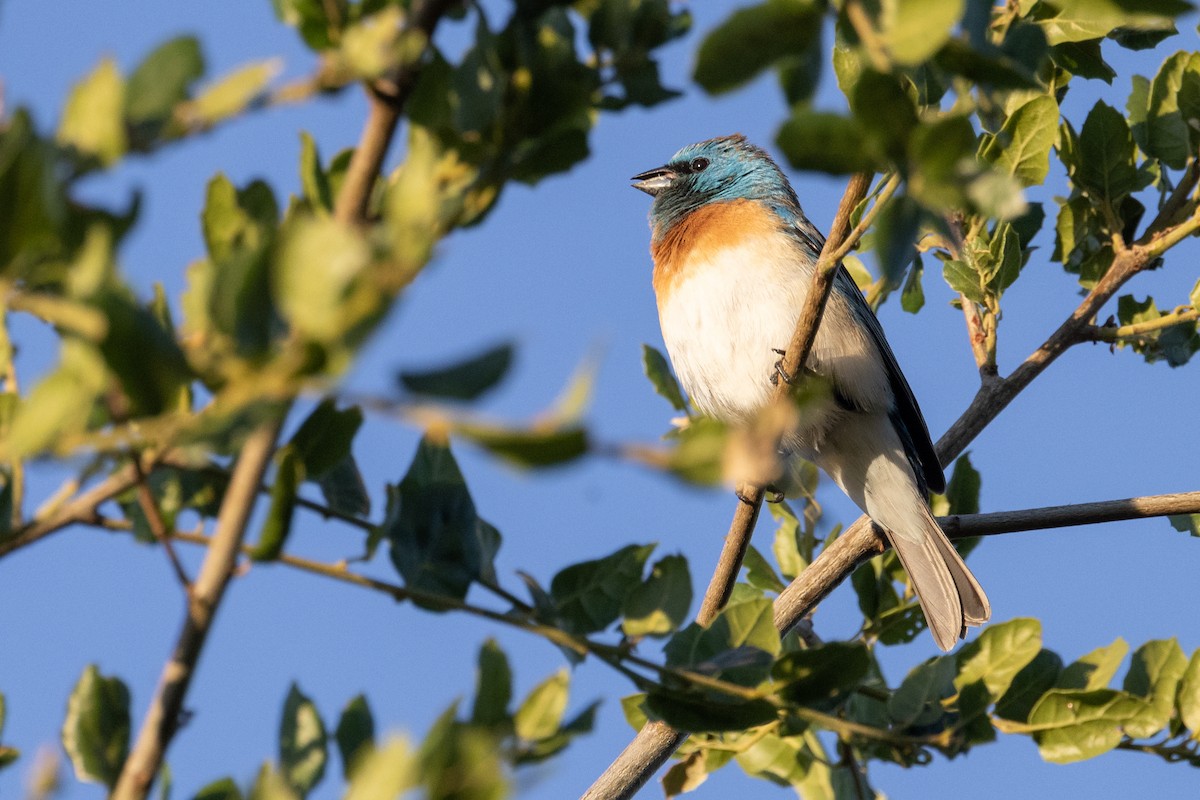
[(438, 542), (323, 440), (822, 676), (302, 743), (962, 491), (1030, 683), (387, 771), (1083, 59), (1188, 700), (355, 735), (786, 545), (754, 38), (759, 572), (998, 655), (964, 278), (232, 93), (701, 714), (918, 700), (685, 776), (589, 595), (660, 604), (463, 380), (493, 686), (316, 278), (95, 733), (1080, 20), (1186, 523), (632, 709), (913, 30), (824, 142), (312, 178), (737, 647), (461, 762), (93, 122), (1096, 669), (344, 490), (541, 712), (536, 446), (222, 789), (289, 474), (269, 784), (239, 230), (700, 452), (1106, 167), (659, 373), (1154, 674), (895, 237), (1021, 148), (1166, 132), (912, 296), (1074, 726), (885, 111), (60, 404), (162, 80)]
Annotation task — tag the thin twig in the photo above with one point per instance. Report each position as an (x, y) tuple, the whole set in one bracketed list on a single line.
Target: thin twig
[(163, 718), (1115, 333), (158, 526), (655, 742)]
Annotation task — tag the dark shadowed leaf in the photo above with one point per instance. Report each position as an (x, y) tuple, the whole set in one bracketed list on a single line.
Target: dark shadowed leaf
[(439, 544), (1106, 168), (536, 446), (95, 733), (737, 647), (659, 373), (162, 80), (698, 713), (918, 700), (493, 686), (823, 675), (589, 595), (1030, 683), (465, 380), (824, 142), (754, 38), (223, 789), (355, 734), (323, 440)]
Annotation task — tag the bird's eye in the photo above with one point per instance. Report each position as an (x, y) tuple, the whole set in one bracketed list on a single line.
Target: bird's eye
[(699, 164)]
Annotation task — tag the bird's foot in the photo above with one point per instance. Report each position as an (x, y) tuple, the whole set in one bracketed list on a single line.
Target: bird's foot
[(780, 372), (744, 492)]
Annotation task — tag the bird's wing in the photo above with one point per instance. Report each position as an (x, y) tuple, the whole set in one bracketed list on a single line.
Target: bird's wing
[(907, 414)]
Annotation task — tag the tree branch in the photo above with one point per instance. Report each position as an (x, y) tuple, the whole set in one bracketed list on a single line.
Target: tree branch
[(1115, 333), (656, 741), (162, 719)]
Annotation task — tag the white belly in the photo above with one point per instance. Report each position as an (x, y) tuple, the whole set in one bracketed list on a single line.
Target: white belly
[(727, 312)]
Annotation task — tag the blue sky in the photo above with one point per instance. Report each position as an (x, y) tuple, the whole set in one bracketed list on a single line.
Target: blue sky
[(563, 269)]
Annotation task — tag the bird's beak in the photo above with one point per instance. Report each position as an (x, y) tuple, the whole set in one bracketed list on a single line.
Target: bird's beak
[(653, 181)]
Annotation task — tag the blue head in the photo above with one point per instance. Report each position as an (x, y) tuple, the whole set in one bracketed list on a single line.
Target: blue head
[(727, 168)]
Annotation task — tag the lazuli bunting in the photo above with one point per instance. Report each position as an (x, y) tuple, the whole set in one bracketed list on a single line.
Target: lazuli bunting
[(733, 259)]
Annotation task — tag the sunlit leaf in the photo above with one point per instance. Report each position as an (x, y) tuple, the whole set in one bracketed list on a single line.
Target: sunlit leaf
[(660, 604), (302, 743), (93, 123)]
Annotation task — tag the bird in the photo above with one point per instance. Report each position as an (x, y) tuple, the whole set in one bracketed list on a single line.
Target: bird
[(734, 256)]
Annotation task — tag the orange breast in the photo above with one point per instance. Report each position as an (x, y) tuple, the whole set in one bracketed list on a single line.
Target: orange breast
[(710, 228)]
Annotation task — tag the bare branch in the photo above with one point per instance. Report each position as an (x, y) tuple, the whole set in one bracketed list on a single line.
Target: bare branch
[(162, 719), (80, 509), (1115, 333)]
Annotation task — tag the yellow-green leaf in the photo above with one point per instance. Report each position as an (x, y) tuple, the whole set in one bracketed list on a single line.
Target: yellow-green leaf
[(94, 120)]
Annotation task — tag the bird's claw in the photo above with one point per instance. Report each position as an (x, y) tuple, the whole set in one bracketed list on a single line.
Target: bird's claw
[(780, 372)]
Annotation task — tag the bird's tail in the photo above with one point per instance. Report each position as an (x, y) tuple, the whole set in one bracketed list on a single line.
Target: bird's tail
[(881, 481)]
